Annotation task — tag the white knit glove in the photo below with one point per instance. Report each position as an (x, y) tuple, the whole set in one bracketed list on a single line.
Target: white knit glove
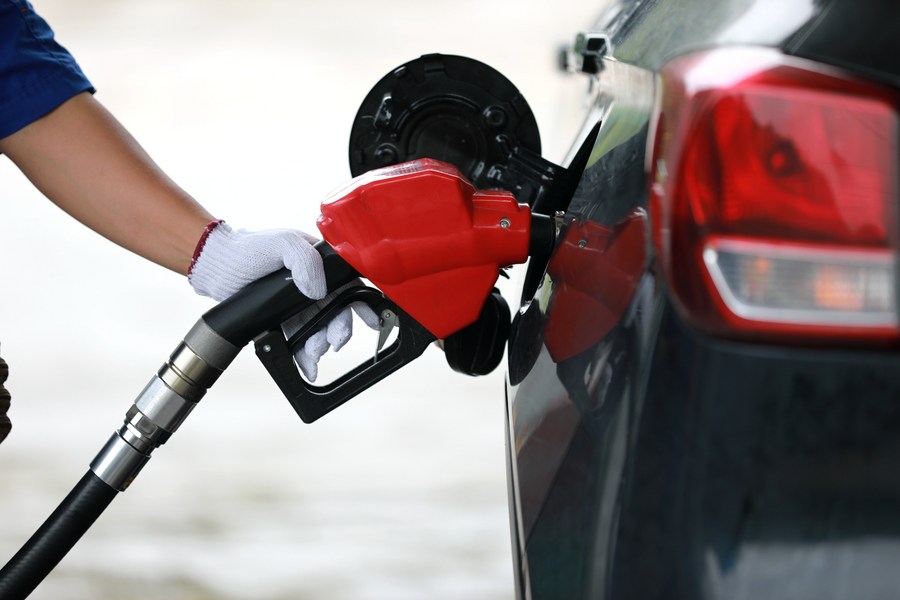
[(226, 260)]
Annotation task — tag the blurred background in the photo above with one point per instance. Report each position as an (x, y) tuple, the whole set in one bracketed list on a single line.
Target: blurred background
[(399, 494)]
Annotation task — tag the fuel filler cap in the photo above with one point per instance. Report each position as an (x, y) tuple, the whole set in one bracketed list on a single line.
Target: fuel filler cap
[(450, 108)]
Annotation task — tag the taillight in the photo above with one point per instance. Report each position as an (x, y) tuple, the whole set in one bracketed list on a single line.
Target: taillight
[(774, 197)]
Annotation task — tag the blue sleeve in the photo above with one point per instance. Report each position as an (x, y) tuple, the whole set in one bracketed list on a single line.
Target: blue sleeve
[(36, 73)]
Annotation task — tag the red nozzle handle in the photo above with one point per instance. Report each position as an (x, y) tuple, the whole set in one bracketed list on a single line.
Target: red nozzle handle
[(423, 235)]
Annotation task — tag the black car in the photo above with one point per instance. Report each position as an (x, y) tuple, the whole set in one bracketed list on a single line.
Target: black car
[(703, 378)]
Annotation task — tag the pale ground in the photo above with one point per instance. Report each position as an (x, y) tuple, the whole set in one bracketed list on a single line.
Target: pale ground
[(401, 493)]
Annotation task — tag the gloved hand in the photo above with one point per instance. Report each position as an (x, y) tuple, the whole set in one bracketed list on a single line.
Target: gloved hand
[(226, 260), (334, 335)]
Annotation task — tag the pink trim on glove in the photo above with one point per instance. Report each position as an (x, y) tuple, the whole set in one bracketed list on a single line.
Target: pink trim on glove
[(202, 242)]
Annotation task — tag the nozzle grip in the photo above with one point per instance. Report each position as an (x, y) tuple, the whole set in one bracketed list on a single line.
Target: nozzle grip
[(271, 300), (312, 401)]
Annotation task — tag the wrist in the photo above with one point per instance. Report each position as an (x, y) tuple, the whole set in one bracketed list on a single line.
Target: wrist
[(201, 243)]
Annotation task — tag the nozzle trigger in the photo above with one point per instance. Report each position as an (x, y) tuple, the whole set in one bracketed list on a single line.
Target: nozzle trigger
[(312, 401), (387, 321)]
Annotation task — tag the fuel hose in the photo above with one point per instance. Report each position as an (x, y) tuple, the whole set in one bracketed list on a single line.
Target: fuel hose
[(206, 351), (49, 544)]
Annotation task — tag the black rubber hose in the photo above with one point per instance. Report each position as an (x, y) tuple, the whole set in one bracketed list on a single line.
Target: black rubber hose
[(260, 306), (49, 544)]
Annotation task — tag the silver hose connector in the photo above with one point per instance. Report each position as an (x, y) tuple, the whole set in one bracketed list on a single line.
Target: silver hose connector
[(164, 404)]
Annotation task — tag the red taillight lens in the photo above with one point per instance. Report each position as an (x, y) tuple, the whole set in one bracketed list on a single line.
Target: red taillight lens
[(774, 196)]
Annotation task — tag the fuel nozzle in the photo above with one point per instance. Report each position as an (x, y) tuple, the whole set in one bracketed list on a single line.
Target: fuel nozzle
[(432, 246)]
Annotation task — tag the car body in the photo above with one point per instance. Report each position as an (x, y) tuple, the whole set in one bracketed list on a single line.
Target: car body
[(677, 428)]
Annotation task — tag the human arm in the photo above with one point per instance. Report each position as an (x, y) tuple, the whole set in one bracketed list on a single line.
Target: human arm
[(84, 160)]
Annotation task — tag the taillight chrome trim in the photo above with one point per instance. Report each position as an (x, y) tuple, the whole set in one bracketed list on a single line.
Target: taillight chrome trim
[(883, 260)]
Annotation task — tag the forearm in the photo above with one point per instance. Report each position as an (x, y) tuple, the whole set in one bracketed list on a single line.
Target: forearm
[(84, 161)]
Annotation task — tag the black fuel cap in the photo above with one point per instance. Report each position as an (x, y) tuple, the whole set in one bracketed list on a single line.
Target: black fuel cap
[(449, 108)]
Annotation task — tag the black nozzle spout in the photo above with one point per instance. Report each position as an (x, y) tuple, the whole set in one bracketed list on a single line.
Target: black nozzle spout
[(543, 235)]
